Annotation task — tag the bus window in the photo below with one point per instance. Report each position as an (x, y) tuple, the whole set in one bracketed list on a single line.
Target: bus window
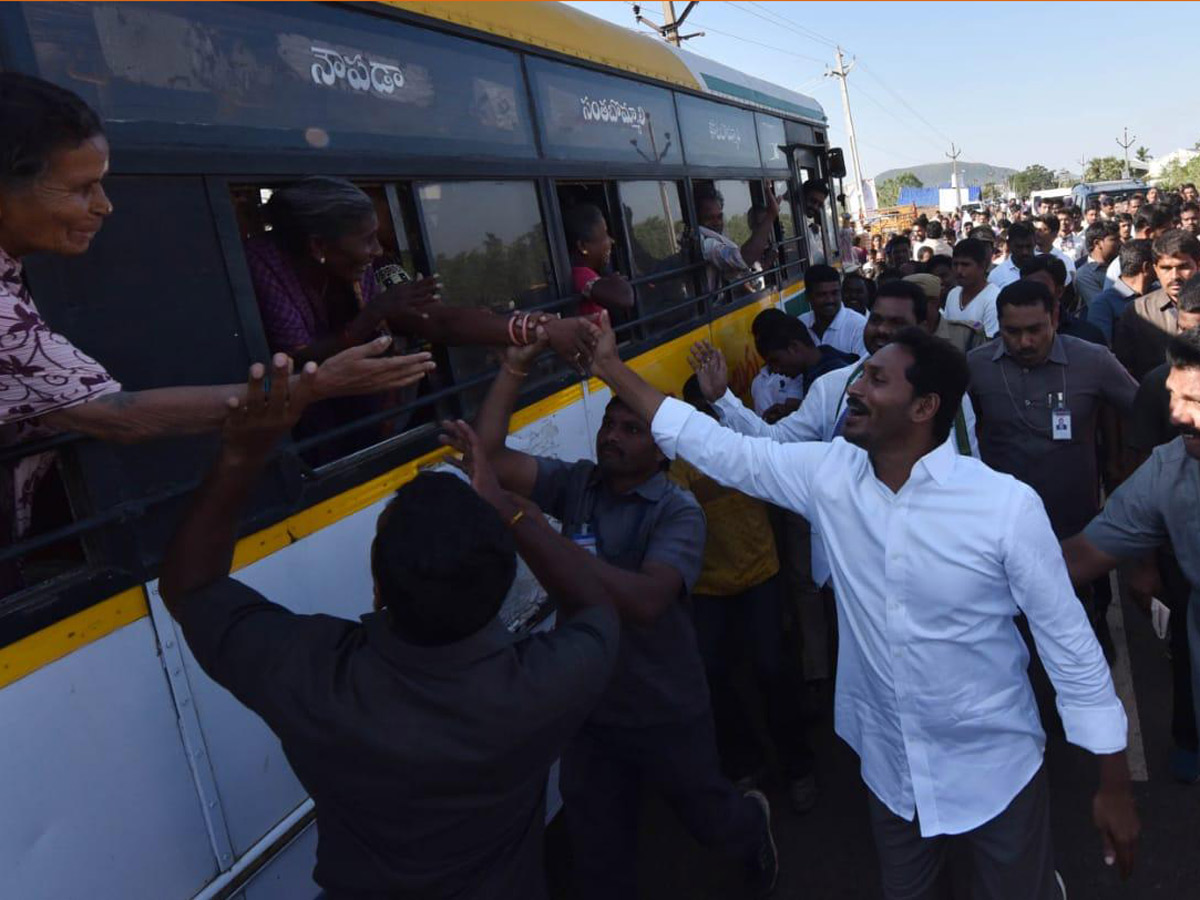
[(572, 194), (742, 205), (488, 243), (791, 246), (819, 231), (654, 226), (302, 307)]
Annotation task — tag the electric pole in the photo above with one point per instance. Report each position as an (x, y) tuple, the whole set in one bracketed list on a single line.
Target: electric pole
[(669, 30), (953, 156), (1125, 145), (840, 73), (1083, 161)]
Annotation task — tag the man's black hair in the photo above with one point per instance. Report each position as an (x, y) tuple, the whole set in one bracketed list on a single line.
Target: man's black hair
[(1025, 293), (1019, 230), (821, 274), (980, 252), (938, 367), (1189, 297), (1189, 206), (766, 318), (1098, 231), (1177, 242), (1048, 263), (1183, 352), (940, 259), (442, 559), (1153, 217), (706, 193), (905, 290), (1135, 256), (1093, 204), (39, 119), (934, 229), (980, 233), (780, 334), (1050, 220), (896, 239)]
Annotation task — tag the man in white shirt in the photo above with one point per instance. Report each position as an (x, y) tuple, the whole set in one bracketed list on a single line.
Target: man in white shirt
[(830, 322), (933, 556), (1151, 222), (770, 390), (1070, 239), (1020, 248), (974, 300), (1045, 233)]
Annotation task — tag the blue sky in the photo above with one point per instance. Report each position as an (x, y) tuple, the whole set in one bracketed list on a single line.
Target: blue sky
[(1008, 82)]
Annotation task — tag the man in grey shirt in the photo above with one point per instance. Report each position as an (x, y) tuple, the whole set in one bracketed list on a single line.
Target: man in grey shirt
[(425, 732), (653, 728), (1157, 503)]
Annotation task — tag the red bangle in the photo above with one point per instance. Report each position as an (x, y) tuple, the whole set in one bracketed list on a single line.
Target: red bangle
[(512, 330), (525, 330)]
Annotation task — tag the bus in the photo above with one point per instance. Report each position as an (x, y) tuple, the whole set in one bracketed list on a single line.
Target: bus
[(128, 773)]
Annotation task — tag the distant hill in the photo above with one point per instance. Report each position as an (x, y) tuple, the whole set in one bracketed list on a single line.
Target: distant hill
[(969, 173)]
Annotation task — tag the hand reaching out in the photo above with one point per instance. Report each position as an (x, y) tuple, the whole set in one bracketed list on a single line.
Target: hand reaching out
[(363, 370), (711, 371), (462, 437), (267, 412)]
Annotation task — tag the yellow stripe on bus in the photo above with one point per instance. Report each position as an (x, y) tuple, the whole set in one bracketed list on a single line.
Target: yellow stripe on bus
[(566, 30), (664, 366), (43, 647)]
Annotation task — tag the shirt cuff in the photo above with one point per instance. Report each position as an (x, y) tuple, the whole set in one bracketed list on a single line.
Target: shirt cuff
[(668, 422), (1099, 729), (725, 403)]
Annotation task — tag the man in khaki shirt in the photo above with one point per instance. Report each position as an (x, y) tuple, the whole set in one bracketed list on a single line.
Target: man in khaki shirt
[(1148, 323), (961, 334)]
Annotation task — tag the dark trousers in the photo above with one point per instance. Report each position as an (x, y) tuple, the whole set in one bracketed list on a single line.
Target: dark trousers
[(1176, 591), (604, 773), (1011, 856), (749, 627)]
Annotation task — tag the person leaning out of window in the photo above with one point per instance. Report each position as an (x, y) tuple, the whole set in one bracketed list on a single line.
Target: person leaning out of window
[(53, 160)]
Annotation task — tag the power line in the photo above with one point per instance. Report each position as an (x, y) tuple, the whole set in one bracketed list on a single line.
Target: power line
[(946, 138), (738, 37), (777, 19)]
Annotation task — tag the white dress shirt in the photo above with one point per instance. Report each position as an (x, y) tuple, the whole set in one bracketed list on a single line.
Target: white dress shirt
[(932, 688), (1067, 261), (1113, 273), (770, 388), (819, 418), (980, 312), (1004, 274), (844, 332)]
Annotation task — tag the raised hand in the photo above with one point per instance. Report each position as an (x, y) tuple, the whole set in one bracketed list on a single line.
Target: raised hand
[(711, 371), (574, 340), (363, 370), (268, 411), (407, 298), (462, 437), (605, 350), (519, 359)]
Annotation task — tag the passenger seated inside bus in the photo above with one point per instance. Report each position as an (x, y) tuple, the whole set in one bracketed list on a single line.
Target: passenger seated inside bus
[(726, 259), (319, 291), (591, 254)]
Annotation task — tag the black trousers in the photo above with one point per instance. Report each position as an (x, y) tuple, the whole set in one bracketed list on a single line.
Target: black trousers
[(1012, 855), (604, 773), (1176, 592), (748, 627)]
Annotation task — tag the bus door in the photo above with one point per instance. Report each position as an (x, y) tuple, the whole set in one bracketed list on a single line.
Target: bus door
[(807, 168)]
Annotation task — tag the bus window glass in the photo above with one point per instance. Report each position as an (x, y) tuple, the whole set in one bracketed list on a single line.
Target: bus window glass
[(819, 230), (717, 135), (585, 115), (770, 141), (737, 210), (791, 247), (311, 77), (488, 243), (654, 223)]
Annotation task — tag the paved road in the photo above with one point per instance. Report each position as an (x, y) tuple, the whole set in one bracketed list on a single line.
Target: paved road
[(828, 854)]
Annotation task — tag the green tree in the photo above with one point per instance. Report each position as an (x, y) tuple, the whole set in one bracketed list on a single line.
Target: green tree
[(888, 192), (1176, 173), (1142, 154), (1033, 178), (1104, 168), (992, 192)]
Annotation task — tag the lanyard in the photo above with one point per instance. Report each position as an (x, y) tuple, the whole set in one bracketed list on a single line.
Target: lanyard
[(1036, 429)]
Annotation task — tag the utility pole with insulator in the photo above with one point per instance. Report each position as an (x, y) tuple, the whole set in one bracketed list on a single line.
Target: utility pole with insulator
[(953, 156), (841, 72), (1125, 145)]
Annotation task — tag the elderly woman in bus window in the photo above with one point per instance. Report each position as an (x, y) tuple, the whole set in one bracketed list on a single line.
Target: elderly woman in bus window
[(53, 158), (313, 275)]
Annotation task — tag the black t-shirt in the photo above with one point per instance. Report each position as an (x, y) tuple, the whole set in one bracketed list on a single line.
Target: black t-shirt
[(1150, 423), (428, 765)]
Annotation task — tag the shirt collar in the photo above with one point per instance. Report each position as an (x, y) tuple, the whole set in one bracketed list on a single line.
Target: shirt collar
[(1123, 289), (1160, 300), (653, 488), (491, 638), (939, 462), (1058, 353)]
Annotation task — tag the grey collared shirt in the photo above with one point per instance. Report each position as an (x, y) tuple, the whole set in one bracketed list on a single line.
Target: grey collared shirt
[(1013, 406), (1155, 504), (1142, 333), (659, 676), (428, 765)]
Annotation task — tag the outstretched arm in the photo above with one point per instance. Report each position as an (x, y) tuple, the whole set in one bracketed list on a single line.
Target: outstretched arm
[(201, 550), (129, 417), (760, 238)]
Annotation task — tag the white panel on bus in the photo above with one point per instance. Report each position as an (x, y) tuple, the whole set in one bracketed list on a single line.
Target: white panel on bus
[(97, 799), (327, 572)]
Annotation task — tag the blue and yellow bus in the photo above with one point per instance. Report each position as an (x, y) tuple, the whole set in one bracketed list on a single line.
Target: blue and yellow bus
[(127, 773)]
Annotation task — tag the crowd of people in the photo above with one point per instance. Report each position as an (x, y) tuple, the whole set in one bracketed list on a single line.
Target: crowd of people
[(933, 473)]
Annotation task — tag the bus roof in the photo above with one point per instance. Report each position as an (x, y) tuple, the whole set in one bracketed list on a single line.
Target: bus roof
[(572, 32)]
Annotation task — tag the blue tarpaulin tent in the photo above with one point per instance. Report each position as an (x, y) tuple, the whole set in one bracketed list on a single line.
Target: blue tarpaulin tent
[(928, 196)]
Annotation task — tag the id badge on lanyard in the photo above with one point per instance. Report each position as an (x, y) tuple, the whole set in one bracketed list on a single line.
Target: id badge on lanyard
[(1060, 417), (585, 538)]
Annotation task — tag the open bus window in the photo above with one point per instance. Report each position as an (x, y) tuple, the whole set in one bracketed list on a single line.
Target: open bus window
[(658, 249), (304, 307), (743, 205), (488, 243), (819, 231), (791, 247)]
